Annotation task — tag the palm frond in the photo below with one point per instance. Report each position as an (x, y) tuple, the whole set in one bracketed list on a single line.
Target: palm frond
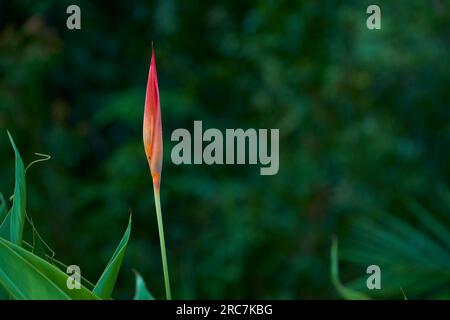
[(412, 258)]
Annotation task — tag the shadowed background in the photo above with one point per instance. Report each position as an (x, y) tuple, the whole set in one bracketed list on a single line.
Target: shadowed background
[(364, 133)]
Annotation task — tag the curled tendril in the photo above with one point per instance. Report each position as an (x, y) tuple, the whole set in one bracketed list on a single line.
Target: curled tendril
[(44, 157)]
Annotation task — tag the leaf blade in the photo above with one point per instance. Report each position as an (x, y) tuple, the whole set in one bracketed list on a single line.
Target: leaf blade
[(141, 291), (107, 280), (22, 272), (347, 293), (12, 226)]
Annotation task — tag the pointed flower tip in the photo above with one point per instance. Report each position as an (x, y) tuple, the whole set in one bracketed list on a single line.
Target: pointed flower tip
[(152, 129)]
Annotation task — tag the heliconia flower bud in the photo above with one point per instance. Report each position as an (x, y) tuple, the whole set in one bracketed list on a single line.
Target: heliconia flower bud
[(152, 130)]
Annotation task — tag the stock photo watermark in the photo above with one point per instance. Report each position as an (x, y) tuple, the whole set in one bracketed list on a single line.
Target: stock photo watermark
[(374, 280), (231, 149), (74, 279), (374, 20), (73, 22)]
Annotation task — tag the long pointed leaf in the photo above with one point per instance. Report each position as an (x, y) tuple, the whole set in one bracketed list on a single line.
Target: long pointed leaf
[(3, 208), (12, 227), (347, 293), (141, 291), (25, 276), (105, 284)]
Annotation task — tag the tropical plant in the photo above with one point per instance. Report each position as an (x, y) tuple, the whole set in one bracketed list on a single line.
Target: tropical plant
[(31, 271), (414, 261), (153, 145)]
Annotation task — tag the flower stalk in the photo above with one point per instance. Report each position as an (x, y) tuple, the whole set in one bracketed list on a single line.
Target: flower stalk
[(162, 244), (153, 145)]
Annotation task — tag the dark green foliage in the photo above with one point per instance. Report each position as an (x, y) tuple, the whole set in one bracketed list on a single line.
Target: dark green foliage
[(414, 259), (363, 117), (27, 272)]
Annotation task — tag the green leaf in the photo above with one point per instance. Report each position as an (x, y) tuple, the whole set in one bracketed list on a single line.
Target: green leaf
[(12, 227), (105, 284), (3, 294), (3, 208), (347, 293), (412, 258), (25, 276), (436, 227), (141, 291)]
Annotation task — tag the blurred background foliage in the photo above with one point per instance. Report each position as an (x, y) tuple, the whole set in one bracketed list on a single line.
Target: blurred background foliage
[(363, 118)]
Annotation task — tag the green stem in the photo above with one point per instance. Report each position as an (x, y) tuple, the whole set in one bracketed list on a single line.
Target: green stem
[(162, 244)]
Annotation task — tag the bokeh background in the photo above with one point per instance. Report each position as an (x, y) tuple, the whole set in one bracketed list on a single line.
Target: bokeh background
[(364, 141)]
